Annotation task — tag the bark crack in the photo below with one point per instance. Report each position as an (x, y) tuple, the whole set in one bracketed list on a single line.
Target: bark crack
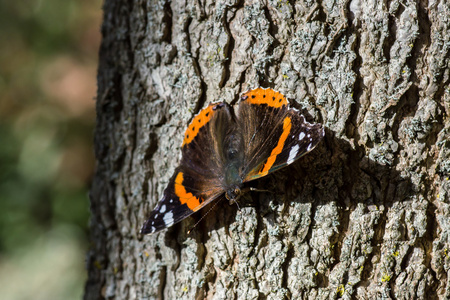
[(198, 71)]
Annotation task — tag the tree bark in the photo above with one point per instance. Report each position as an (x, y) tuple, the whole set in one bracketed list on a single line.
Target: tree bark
[(365, 215)]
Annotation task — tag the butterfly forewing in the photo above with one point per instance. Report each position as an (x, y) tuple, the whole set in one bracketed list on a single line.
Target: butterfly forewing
[(198, 180), (184, 195), (274, 134)]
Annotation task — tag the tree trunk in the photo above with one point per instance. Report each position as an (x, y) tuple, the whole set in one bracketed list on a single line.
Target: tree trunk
[(365, 215)]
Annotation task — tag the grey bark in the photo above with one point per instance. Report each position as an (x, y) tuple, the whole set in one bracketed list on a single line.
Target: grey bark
[(365, 215)]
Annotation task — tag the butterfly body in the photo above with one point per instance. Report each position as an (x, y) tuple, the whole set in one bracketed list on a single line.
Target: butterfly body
[(226, 146)]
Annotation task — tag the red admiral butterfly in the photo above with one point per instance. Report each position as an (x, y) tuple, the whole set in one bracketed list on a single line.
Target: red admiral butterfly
[(226, 146)]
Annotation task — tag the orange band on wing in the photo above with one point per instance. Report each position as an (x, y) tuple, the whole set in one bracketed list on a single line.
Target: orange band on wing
[(186, 198), (277, 150), (265, 96), (198, 122)]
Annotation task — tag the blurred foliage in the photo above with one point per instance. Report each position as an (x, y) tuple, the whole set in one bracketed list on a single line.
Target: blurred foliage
[(48, 59)]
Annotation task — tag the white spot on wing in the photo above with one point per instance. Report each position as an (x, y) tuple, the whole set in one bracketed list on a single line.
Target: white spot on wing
[(292, 154), (162, 209), (168, 218), (309, 147), (301, 136)]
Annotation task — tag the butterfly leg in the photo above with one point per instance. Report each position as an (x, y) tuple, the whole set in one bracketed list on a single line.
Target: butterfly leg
[(236, 201)]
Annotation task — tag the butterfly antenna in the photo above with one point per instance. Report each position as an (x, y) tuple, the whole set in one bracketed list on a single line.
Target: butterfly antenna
[(202, 217)]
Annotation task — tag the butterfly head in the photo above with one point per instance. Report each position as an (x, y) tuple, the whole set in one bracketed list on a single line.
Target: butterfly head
[(233, 194)]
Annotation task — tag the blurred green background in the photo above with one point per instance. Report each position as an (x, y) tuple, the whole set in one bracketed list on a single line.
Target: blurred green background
[(48, 61)]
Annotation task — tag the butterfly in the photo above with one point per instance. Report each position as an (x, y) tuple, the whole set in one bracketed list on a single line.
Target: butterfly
[(226, 146)]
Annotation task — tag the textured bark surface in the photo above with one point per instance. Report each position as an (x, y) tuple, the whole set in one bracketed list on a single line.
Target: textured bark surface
[(365, 215)]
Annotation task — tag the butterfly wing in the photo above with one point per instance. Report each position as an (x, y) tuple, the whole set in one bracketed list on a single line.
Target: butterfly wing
[(274, 135), (197, 181), (184, 195)]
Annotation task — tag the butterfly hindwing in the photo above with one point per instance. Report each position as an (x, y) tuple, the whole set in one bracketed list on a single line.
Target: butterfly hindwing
[(202, 150)]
